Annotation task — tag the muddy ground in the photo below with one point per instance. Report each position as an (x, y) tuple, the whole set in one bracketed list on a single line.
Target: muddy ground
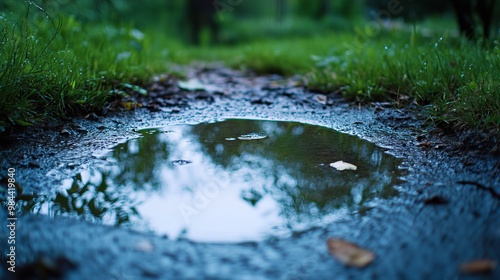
[(446, 213)]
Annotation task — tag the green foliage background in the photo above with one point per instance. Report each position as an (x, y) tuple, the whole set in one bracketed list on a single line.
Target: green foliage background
[(60, 58)]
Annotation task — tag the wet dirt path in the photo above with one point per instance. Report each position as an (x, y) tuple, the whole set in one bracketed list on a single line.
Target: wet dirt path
[(446, 212)]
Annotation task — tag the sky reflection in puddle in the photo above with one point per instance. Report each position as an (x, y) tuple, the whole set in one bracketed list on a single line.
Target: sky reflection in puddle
[(230, 181)]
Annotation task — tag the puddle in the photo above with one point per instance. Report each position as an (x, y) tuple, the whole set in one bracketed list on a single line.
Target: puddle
[(230, 181)]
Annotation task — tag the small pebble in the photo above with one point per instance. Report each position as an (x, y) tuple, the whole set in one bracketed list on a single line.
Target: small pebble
[(82, 130)]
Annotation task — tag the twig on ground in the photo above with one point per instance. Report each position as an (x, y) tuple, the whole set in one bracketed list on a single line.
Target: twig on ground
[(482, 187)]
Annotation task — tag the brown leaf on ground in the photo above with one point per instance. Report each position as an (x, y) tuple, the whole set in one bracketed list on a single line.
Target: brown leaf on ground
[(349, 254), (320, 98), (478, 266), (128, 105)]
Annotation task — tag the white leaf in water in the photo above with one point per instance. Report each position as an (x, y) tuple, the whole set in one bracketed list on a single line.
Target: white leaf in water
[(340, 166), (191, 85), (252, 136)]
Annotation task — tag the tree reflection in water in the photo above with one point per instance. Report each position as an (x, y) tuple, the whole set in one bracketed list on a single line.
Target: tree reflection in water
[(202, 182)]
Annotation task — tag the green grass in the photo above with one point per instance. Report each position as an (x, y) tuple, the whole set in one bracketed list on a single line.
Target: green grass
[(457, 80), (55, 66), (58, 66)]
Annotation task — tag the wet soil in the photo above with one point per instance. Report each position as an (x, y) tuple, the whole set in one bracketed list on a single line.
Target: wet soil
[(446, 211)]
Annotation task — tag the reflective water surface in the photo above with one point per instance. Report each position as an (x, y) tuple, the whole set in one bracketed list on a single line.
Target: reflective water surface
[(229, 181)]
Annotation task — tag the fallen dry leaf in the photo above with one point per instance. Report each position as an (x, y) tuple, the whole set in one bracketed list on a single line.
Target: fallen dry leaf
[(195, 84), (340, 166), (349, 254), (320, 98), (478, 266), (191, 85), (128, 105)]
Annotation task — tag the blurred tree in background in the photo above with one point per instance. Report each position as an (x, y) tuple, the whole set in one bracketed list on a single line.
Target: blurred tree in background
[(241, 20), (200, 14), (414, 10)]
